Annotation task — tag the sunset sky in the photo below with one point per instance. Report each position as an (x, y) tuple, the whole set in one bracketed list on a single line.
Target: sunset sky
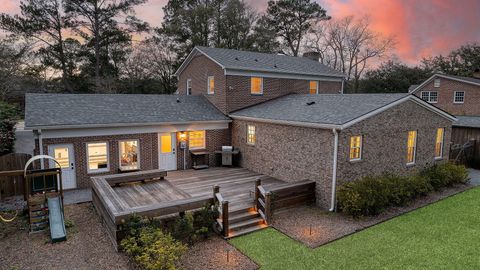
[(422, 28)]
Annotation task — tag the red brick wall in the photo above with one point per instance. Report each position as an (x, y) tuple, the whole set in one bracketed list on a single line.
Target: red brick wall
[(233, 92), (148, 151), (471, 106)]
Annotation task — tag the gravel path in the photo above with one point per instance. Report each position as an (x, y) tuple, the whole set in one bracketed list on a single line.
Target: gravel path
[(327, 227), (212, 254), (87, 247)]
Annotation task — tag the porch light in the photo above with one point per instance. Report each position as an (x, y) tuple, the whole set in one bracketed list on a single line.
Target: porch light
[(227, 253), (182, 136), (311, 229)]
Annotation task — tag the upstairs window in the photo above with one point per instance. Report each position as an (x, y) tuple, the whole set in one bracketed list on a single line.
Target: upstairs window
[(251, 137), (458, 97), (211, 85), (430, 96), (189, 87), (97, 157), (411, 147), (313, 88), (439, 143), (196, 139), (256, 86), (355, 148), (129, 155), (436, 83)]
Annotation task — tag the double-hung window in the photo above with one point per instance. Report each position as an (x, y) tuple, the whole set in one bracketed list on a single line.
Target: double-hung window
[(436, 83), (251, 137), (97, 157), (355, 148), (430, 96), (211, 85), (439, 143), (459, 97), (411, 147), (189, 87), (129, 155), (196, 139), (256, 86), (313, 87)]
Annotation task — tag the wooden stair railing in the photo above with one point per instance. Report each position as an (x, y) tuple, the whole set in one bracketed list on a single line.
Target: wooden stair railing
[(222, 209), (263, 202)]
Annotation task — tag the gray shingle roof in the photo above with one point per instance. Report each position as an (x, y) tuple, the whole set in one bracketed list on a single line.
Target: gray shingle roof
[(255, 61), (470, 79), (467, 121), (101, 109), (412, 87), (335, 109)]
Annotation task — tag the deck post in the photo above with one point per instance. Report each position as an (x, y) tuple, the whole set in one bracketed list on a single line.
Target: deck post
[(216, 189), (225, 218), (258, 182), (268, 207)]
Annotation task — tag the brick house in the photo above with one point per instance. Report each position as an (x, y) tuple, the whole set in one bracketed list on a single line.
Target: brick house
[(459, 96), (286, 115)]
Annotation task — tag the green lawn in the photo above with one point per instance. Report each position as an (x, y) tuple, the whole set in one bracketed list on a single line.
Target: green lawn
[(444, 235)]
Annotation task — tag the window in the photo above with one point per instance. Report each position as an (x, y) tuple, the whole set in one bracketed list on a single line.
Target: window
[(411, 147), (436, 83), (251, 137), (313, 88), (129, 155), (189, 87), (97, 157), (355, 148), (430, 96), (256, 85), (439, 143), (196, 139), (211, 85), (458, 97)]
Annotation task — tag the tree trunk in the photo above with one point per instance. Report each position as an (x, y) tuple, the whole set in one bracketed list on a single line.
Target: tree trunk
[(97, 49)]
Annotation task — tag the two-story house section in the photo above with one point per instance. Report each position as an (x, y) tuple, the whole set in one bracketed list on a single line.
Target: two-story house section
[(232, 79)]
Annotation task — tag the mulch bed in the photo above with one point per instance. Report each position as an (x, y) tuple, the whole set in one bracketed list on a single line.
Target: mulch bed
[(212, 254), (87, 245), (315, 227)]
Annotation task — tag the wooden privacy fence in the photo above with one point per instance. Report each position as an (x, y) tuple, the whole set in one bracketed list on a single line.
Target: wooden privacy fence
[(9, 183)]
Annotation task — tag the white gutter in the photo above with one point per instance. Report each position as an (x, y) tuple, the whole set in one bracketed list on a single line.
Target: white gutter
[(286, 122), (343, 81), (334, 173)]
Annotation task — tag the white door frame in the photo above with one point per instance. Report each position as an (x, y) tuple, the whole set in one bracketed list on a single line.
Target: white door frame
[(71, 159), (174, 150)]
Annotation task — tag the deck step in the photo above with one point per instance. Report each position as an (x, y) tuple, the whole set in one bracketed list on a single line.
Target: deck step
[(246, 223), (246, 230), (243, 216), (241, 208)]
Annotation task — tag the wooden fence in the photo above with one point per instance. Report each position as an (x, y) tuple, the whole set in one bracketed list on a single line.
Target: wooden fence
[(465, 148), (12, 185)]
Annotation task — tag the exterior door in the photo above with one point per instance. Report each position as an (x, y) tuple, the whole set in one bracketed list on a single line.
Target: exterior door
[(64, 155), (167, 159)]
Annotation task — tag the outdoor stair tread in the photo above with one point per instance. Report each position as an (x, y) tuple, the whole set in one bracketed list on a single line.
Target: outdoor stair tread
[(243, 215), (247, 230), (247, 222)]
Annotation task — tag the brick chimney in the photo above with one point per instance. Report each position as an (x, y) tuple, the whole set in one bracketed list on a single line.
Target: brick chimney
[(476, 73), (315, 56)]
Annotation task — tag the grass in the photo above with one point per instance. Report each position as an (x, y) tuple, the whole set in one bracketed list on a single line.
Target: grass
[(444, 235)]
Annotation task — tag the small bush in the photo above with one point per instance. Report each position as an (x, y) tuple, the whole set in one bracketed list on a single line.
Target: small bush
[(183, 228), (205, 218), (371, 195), (153, 249)]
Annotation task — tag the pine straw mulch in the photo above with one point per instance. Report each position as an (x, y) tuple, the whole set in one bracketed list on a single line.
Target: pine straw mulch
[(327, 227), (87, 245)]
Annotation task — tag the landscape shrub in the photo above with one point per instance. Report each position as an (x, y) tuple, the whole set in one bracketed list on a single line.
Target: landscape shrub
[(153, 249), (372, 194), (183, 228), (8, 120), (204, 219)]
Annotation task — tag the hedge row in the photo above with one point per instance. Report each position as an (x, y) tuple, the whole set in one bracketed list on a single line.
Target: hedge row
[(373, 194)]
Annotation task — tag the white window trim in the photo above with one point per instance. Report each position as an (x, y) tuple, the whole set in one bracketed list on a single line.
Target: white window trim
[(254, 134), (316, 90), (442, 143), (89, 171), (208, 85), (360, 147), (455, 94), (261, 86), (414, 149), (429, 100), (188, 85), (435, 82), (204, 140), (120, 154)]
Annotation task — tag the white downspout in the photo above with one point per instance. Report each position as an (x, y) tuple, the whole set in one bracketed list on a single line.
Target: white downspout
[(343, 80), (334, 173), (40, 145)]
